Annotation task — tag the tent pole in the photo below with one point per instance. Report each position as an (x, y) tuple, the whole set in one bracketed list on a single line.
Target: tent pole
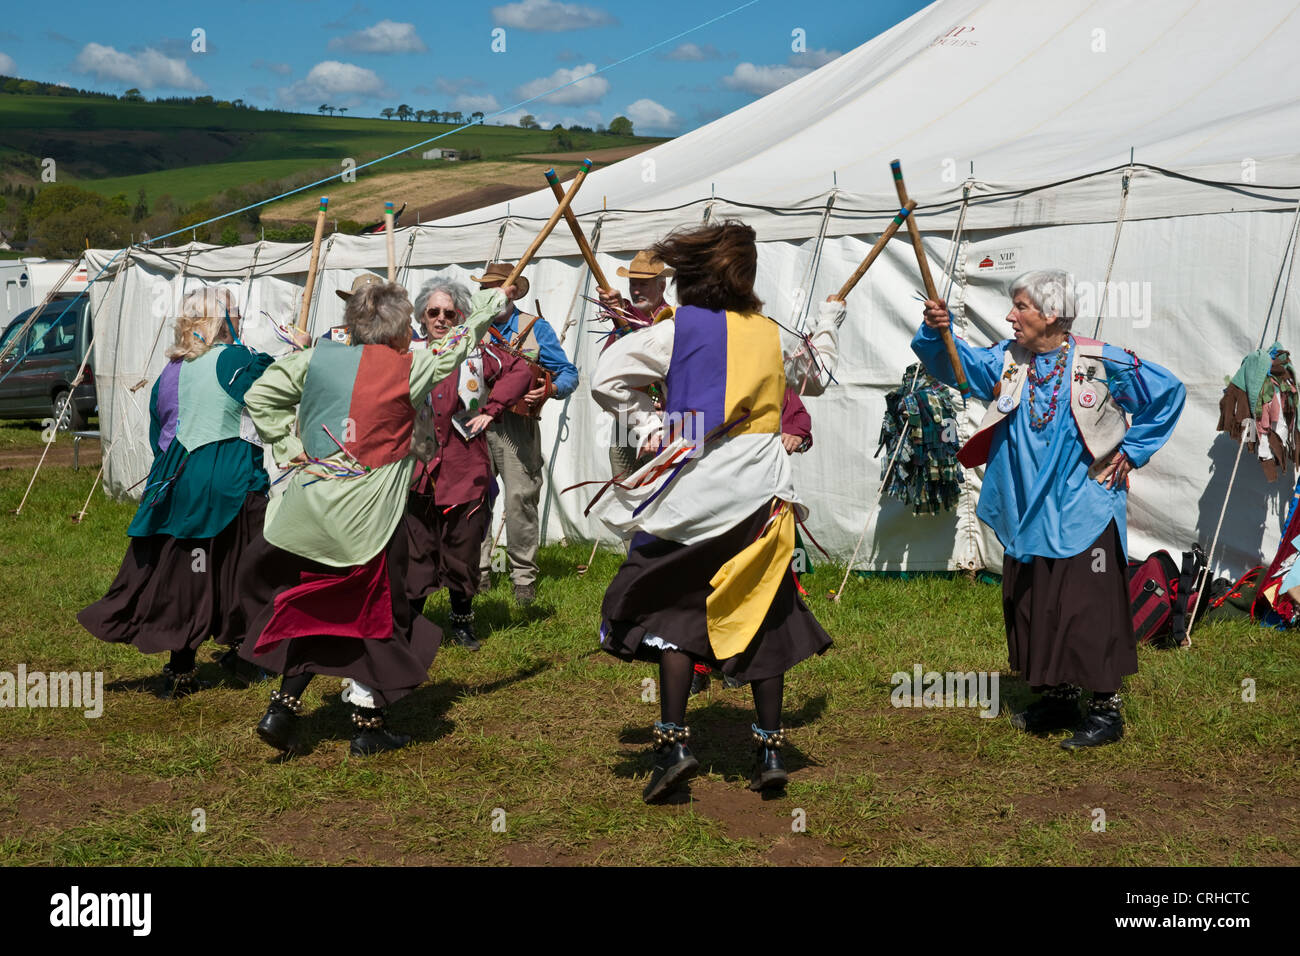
[(1119, 224)]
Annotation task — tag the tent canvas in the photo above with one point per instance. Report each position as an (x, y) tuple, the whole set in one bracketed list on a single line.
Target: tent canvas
[(1045, 100)]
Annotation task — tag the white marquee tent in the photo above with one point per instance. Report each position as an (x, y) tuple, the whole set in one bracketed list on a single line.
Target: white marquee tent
[(1014, 124)]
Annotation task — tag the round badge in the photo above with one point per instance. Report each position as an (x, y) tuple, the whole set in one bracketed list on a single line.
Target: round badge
[(472, 385), (1006, 403), (1087, 398)]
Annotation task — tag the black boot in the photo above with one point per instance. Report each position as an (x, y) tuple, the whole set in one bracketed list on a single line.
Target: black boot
[(1057, 709), (462, 631), (700, 679), (769, 774), (674, 762), (279, 724), (178, 684), (1102, 724), (372, 737)]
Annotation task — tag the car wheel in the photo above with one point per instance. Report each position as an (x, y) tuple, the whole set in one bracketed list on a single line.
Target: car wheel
[(65, 412)]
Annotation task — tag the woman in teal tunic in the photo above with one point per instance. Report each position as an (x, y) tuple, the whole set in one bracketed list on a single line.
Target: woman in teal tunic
[(203, 500)]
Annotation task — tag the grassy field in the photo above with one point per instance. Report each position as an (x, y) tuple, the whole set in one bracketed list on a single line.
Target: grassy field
[(546, 735), (194, 152)]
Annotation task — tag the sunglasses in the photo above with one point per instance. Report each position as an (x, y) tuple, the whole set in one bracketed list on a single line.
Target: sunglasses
[(434, 313)]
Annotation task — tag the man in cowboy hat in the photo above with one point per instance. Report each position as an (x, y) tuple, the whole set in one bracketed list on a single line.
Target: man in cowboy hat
[(339, 333), (515, 441), (647, 279)]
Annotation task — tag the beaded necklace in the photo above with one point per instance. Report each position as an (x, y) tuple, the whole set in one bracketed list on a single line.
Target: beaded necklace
[(1036, 421)]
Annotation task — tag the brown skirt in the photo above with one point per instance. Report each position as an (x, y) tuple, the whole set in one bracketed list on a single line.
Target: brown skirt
[(172, 594), (659, 597), (443, 546), (1068, 619), (391, 667)]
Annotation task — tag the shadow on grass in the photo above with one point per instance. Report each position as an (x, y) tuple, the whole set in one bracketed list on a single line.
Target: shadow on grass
[(721, 738)]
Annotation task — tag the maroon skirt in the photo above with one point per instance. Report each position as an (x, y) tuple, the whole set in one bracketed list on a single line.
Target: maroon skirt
[(172, 594), (391, 666), (443, 545), (659, 596), (1068, 619)]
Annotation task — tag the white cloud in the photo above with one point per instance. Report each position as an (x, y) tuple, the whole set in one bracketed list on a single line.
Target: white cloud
[(761, 80), (694, 53), (146, 70), (815, 58), (584, 91), (549, 16), (648, 115), (385, 36), (331, 79), (475, 103), (7, 65)]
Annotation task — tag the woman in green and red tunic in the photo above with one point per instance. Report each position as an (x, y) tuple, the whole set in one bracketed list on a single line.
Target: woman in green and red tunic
[(203, 501), (339, 554)]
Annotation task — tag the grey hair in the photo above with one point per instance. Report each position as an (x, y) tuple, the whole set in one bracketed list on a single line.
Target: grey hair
[(378, 314), (458, 294), (1052, 293)]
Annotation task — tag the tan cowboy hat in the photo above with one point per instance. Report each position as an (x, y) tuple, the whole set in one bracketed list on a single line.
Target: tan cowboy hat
[(501, 271), (646, 266), (359, 283)]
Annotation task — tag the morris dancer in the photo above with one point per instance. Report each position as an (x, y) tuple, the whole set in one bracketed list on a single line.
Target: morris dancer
[(339, 558), (203, 502), (448, 508), (707, 577), (1055, 493)]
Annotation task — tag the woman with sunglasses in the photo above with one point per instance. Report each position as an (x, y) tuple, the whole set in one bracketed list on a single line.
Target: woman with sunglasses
[(448, 508)]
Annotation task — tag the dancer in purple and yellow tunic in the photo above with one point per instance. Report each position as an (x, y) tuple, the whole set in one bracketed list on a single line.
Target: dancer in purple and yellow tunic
[(1057, 448), (708, 576), (203, 502), (340, 551)]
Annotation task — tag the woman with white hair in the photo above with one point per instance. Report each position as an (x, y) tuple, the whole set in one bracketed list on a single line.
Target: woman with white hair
[(203, 500), (338, 561), (448, 507), (1057, 445)]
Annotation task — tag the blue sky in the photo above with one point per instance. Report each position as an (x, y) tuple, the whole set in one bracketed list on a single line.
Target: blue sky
[(369, 54)]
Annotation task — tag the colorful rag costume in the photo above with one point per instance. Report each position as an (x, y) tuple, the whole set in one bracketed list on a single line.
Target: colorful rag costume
[(1056, 419), (448, 506), (919, 444), (202, 507), (338, 564), (713, 514), (1264, 391)]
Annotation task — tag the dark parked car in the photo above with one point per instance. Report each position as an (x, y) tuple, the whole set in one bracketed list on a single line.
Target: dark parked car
[(38, 371)]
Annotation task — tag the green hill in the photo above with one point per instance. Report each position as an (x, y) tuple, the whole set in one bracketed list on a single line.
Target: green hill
[(192, 152)]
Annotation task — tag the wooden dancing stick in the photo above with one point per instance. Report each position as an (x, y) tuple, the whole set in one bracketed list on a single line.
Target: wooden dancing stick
[(388, 239), (587, 252), (310, 287), (550, 224), (877, 249), (912, 230)]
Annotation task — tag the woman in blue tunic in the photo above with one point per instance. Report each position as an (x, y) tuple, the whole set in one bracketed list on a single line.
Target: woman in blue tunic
[(202, 504), (1057, 445)]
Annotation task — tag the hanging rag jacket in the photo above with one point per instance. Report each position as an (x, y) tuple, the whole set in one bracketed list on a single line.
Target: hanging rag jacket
[(919, 432), (1264, 390)]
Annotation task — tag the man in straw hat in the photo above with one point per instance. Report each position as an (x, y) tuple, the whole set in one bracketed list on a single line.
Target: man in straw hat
[(647, 279), (339, 333), (515, 441)]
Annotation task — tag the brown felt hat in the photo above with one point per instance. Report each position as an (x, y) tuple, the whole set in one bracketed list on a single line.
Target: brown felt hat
[(499, 272), (359, 283), (645, 266)]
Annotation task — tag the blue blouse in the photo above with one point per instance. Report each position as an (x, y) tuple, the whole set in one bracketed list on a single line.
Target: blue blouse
[(1037, 496)]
